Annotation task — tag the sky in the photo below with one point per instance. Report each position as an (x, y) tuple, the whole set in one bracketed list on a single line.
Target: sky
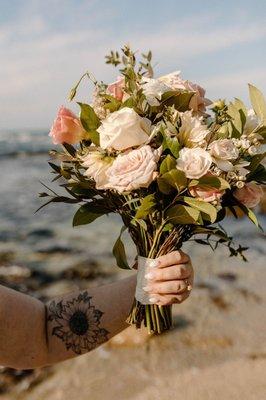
[(46, 45)]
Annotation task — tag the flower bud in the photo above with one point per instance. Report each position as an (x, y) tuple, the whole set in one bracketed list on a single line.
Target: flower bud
[(240, 184)]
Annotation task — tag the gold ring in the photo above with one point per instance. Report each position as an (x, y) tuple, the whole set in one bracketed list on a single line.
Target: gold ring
[(189, 286)]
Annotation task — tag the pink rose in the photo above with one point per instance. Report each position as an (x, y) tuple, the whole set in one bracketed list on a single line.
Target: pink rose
[(198, 101), (206, 193), (67, 128), (116, 88), (133, 169), (250, 194)]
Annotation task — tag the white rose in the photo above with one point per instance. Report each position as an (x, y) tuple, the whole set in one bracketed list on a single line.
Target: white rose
[(195, 162), (192, 130), (124, 129), (133, 169), (96, 165), (153, 90), (222, 151)]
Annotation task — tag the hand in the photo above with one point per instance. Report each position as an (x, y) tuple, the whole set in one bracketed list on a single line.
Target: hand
[(171, 280)]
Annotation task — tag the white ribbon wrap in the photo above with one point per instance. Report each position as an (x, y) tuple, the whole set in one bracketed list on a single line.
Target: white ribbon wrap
[(143, 265)]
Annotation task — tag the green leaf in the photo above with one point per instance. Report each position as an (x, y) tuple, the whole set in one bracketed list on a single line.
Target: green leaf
[(119, 251), (172, 144), (167, 164), (211, 181), (206, 208), (240, 105), (164, 187), (180, 214), (175, 178), (70, 149), (250, 214), (236, 119), (88, 213), (130, 103), (258, 102), (179, 99), (90, 122), (147, 205)]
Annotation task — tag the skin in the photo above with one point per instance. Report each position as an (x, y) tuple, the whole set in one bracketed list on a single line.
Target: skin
[(34, 334)]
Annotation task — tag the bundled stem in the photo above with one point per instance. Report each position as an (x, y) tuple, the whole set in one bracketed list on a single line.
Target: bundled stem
[(158, 318)]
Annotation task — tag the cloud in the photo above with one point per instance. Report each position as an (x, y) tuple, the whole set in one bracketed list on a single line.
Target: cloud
[(45, 56)]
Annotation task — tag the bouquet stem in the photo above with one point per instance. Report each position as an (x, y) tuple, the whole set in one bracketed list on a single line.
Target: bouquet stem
[(156, 319)]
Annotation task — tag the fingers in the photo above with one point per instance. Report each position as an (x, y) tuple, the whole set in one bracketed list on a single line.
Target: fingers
[(175, 257), (168, 287), (164, 300), (181, 271)]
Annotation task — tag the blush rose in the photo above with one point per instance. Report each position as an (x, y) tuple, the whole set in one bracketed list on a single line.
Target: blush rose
[(67, 128), (133, 169), (250, 194)]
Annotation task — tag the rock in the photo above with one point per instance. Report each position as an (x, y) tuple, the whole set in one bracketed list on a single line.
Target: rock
[(14, 273), (6, 257), (84, 270), (21, 380), (55, 249), (42, 233)]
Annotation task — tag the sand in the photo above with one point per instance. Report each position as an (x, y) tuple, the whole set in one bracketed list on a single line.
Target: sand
[(217, 349)]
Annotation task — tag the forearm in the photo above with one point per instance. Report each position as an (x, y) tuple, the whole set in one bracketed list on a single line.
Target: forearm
[(33, 334), (79, 322)]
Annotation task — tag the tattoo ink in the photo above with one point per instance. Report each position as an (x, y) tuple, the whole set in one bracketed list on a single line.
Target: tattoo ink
[(77, 323)]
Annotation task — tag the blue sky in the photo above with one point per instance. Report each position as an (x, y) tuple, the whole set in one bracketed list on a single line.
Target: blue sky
[(45, 46)]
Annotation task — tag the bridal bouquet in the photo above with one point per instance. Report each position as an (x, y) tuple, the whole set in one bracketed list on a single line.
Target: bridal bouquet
[(147, 149)]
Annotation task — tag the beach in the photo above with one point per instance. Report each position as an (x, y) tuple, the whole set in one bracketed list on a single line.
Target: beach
[(217, 348)]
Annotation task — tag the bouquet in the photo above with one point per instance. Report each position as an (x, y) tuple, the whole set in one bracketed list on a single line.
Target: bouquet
[(147, 149)]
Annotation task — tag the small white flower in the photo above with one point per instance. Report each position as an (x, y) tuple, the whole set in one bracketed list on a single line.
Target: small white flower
[(192, 130), (96, 165), (253, 150), (240, 184), (153, 89), (245, 144)]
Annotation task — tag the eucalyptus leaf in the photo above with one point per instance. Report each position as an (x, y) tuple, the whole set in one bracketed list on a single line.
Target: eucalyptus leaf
[(119, 251)]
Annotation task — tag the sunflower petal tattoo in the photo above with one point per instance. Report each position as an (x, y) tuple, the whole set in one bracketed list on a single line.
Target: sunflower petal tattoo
[(77, 323)]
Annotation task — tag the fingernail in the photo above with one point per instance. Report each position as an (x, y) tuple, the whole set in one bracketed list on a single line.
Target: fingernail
[(153, 263), (146, 288), (153, 300), (150, 275)]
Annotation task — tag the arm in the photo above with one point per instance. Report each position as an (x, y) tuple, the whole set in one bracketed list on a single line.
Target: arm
[(33, 334)]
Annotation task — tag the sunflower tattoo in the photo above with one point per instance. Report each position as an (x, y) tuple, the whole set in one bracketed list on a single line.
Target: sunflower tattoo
[(77, 323)]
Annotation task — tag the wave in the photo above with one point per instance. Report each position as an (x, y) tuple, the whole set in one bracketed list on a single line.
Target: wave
[(23, 143)]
